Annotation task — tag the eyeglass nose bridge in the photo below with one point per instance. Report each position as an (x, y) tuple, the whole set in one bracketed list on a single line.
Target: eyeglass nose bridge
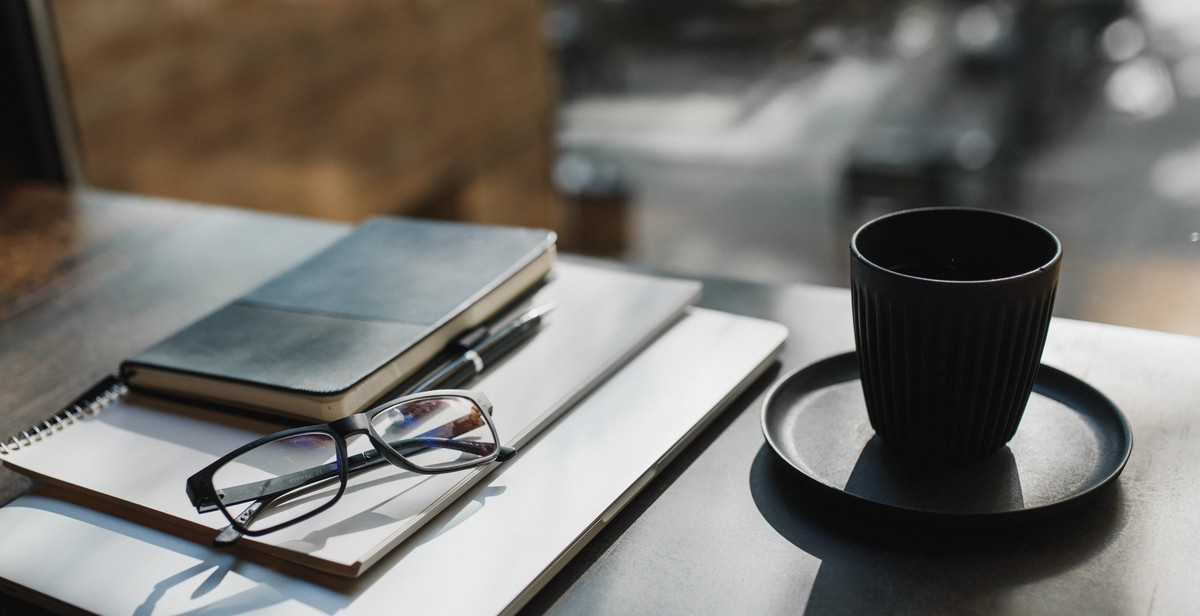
[(358, 423), (350, 425)]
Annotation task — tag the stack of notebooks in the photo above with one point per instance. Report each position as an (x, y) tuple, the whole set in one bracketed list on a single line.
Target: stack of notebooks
[(616, 379)]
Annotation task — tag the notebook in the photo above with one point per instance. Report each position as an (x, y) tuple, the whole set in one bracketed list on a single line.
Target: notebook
[(506, 536), (334, 333), (136, 453)]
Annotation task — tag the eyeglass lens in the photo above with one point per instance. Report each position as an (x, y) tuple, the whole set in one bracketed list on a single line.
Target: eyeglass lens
[(279, 481), (436, 433)]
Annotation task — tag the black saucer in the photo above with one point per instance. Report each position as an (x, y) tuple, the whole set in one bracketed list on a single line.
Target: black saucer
[(1071, 443)]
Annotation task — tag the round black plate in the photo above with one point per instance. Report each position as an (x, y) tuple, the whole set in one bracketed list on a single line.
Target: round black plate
[(1072, 441)]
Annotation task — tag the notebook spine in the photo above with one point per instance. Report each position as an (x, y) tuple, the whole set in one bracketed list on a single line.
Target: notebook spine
[(90, 403)]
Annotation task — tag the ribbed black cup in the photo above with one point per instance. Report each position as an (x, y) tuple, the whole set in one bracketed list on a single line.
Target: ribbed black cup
[(951, 308)]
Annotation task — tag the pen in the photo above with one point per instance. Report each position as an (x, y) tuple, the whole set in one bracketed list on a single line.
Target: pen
[(494, 346)]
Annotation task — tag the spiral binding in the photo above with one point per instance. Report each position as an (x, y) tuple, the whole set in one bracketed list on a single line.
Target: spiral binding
[(91, 403)]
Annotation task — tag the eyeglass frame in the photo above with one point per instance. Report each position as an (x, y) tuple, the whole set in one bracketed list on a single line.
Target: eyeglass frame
[(204, 495)]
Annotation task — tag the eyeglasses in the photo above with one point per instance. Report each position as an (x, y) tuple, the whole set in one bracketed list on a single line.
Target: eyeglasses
[(290, 476)]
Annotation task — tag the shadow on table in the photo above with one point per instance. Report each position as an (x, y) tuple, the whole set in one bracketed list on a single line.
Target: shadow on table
[(870, 559)]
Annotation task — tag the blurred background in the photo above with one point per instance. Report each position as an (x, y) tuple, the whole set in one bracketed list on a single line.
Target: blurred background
[(743, 138)]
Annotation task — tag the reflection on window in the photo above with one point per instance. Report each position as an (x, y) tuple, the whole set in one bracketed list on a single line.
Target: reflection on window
[(334, 109)]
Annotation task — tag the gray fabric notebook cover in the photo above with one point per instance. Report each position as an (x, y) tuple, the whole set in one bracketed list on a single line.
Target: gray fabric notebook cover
[(335, 319)]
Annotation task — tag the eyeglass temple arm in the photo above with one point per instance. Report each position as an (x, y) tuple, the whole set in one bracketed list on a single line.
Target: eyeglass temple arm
[(203, 504), (271, 488), (230, 534), (359, 462)]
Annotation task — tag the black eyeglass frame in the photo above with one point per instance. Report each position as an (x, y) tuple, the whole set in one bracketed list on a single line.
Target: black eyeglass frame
[(203, 495)]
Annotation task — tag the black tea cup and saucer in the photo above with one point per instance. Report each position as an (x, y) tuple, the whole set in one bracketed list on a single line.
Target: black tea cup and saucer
[(951, 307)]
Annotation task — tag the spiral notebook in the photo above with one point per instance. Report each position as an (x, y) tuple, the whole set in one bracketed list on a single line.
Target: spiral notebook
[(134, 452), (502, 540)]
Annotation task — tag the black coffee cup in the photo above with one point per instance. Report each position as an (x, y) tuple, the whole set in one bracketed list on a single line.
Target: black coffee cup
[(951, 309)]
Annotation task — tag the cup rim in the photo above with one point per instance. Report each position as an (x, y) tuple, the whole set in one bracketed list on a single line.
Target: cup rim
[(1047, 265)]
